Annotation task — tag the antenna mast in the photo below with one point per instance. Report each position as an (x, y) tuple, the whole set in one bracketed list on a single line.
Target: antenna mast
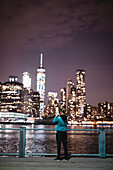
[(41, 60)]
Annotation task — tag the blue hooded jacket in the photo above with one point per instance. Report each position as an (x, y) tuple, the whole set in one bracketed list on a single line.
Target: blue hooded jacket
[(61, 125)]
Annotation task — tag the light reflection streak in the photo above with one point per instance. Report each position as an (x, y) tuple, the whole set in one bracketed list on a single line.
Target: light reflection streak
[(41, 141)]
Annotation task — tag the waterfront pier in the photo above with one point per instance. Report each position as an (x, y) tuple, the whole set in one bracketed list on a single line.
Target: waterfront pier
[(31, 161), (48, 163)]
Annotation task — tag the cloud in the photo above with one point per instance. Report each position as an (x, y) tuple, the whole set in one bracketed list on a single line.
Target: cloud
[(52, 23)]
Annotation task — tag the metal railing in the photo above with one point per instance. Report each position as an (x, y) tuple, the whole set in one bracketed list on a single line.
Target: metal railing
[(22, 142)]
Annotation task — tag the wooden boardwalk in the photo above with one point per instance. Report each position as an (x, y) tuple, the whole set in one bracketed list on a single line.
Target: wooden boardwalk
[(48, 163)]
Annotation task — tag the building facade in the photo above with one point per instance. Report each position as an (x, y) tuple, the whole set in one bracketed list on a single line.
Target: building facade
[(52, 106), (88, 112), (70, 98), (26, 80), (81, 93), (11, 96), (53, 103), (36, 104), (106, 109), (63, 99), (27, 102), (41, 75)]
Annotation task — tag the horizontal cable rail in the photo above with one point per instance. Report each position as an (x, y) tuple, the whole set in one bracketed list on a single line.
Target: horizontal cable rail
[(21, 154), (48, 129), (9, 128)]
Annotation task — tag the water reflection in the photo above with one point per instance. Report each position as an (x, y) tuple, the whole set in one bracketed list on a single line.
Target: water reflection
[(35, 142), (9, 140), (40, 141)]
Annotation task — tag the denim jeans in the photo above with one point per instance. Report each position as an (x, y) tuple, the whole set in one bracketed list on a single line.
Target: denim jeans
[(61, 137)]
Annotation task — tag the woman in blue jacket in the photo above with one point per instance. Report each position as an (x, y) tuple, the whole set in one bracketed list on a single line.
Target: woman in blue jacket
[(61, 135)]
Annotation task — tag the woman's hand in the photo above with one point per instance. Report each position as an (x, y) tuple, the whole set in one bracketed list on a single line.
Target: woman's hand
[(57, 114)]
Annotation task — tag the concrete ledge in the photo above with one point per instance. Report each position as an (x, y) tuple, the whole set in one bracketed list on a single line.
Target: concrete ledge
[(48, 163)]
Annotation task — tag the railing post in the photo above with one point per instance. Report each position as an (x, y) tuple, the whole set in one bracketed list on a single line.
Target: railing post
[(102, 143), (22, 142)]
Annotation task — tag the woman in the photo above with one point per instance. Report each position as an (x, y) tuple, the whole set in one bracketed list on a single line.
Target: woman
[(61, 135)]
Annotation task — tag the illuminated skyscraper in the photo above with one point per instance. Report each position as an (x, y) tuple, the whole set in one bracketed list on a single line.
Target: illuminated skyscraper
[(63, 99), (53, 102), (26, 80), (36, 103), (68, 94), (106, 109), (81, 93), (41, 75), (13, 78), (11, 96), (63, 94), (70, 98), (52, 97)]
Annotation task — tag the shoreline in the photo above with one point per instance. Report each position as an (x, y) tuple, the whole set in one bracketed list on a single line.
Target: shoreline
[(37, 122), (50, 122)]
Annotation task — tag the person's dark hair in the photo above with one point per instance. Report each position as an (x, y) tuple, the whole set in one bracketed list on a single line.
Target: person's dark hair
[(63, 111), (64, 118)]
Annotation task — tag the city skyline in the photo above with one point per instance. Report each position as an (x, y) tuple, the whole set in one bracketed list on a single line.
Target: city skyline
[(72, 35), (15, 77)]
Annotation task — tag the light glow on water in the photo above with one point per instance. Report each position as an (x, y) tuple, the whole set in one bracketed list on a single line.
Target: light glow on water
[(40, 141)]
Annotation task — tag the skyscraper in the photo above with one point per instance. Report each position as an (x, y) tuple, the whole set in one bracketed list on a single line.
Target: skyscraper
[(26, 80), (53, 101), (70, 98), (13, 78), (63, 99), (106, 109), (41, 75), (81, 93), (52, 97), (11, 96), (63, 94), (68, 94), (36, 103)]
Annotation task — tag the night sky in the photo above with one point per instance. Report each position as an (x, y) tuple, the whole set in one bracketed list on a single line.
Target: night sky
[(72, 34)]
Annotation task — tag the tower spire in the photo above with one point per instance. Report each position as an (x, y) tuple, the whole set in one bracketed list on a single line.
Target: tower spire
[(41, 60), (41, 75)]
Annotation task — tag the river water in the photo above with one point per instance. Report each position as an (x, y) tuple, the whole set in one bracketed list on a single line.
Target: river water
[(41, 141)]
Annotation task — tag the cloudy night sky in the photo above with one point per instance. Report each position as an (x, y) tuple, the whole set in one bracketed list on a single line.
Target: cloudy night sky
[(72, 34)]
